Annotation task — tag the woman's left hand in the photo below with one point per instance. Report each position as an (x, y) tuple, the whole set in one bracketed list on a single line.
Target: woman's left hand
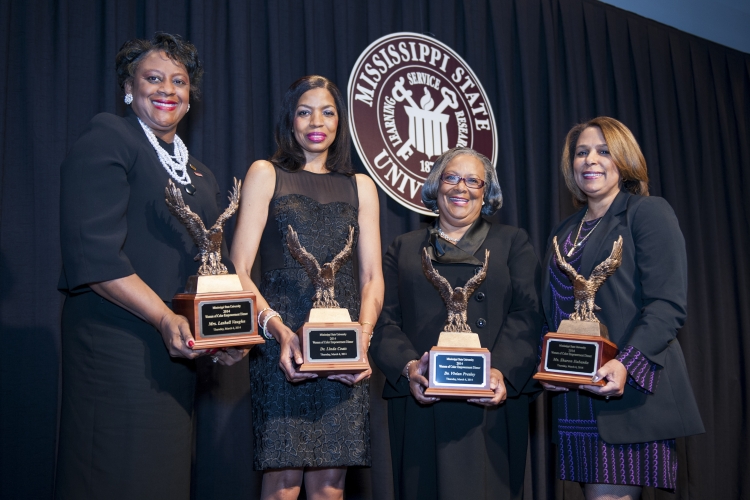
[(352, 378), (497, 384), (228, 356), (615, 374)]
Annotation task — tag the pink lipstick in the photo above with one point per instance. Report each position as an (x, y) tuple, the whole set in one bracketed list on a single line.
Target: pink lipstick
[(316, 137)]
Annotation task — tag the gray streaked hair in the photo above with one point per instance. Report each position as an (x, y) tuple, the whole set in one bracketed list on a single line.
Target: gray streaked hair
[(493, 196)]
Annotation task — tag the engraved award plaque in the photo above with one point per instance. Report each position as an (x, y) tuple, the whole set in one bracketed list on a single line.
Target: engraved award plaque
[(459, 365), (331, 342), (220, 313), (581, 345)]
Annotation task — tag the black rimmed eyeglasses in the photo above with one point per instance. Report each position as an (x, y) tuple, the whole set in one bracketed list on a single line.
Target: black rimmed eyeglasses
[(471, 182)]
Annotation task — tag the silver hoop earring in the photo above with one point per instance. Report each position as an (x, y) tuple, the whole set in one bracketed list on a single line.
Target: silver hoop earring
[(128, 98)]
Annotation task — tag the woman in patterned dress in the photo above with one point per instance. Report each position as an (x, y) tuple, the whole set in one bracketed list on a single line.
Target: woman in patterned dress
[(620, 437), (308, 427)]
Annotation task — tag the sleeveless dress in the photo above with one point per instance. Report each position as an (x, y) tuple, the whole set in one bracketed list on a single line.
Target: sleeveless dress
[(319, 422), (582, 454)]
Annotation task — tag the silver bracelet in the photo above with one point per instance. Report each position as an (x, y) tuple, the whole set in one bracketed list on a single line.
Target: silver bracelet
[(262, 311), (272, 314), (407, 369)]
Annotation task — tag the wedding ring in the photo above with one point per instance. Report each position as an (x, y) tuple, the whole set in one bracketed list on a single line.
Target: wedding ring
[(215, 359)]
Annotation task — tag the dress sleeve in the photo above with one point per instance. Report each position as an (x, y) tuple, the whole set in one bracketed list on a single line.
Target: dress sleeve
[(516, 349), (642, 373), (391, 349), (661, 262), (93, 204)]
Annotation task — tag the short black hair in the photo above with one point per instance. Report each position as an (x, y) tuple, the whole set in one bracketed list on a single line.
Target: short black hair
[(181, 51), (289, 154)]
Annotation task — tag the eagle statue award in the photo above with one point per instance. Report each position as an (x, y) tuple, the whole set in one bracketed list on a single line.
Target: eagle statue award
[(331, 342), (221, 314), (459, 366), (581, 345)]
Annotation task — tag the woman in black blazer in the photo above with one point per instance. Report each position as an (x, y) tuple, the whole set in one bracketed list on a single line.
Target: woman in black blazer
[(620, 437), (127, 372), (452, 449)]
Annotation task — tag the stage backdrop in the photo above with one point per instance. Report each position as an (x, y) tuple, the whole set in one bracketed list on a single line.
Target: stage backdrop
[(545, 65)]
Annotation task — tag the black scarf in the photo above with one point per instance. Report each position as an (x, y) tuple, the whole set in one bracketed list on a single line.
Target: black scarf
[(445, 252)]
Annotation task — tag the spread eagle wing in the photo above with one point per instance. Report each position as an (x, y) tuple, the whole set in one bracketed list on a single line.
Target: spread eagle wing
[(607, 267), (344, 254), (305, 258), (442, 284), (478, 278), (234, 203), (569, 270), (189, 219)]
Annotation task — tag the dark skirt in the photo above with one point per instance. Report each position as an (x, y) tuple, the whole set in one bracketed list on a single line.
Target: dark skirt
[(585, 458), (126, 422)]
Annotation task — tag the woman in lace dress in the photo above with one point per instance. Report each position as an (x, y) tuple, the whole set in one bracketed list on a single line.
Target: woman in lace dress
[(308, 427), (617, 438)]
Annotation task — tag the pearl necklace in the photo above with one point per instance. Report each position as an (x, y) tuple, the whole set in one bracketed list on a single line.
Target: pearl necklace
[(577, 243), (175, 165), (446, 237)]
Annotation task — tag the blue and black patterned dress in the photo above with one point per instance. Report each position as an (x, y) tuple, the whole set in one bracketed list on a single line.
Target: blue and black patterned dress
[(582, 454), (316, 423)]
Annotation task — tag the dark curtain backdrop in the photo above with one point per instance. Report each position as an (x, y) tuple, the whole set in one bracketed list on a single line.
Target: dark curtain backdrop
[(545, 64)]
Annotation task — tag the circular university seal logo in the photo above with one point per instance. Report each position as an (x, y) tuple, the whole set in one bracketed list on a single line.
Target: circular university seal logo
[(411, 98)]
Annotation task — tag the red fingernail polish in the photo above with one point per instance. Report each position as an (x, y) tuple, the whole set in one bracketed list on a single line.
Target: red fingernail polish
[(191, 343)]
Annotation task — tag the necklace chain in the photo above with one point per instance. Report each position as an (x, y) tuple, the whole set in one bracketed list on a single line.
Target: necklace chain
[(175, 165), (446, 237), (577, 243)]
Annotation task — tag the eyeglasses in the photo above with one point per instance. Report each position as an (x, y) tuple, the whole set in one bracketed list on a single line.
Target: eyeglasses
[(471, 182)]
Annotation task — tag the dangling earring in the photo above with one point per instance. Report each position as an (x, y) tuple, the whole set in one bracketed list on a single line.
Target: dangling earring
[(188, 108), (128, 98)]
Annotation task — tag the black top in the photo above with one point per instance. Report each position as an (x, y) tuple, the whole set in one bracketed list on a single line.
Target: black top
[(114, 221)]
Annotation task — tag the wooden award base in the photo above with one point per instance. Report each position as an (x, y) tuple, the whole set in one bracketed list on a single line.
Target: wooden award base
[(459, 367), (572, 355), (332, 343), (218, 318)]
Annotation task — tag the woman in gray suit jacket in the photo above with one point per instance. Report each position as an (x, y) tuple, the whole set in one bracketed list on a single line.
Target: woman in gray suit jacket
[(620, 437)]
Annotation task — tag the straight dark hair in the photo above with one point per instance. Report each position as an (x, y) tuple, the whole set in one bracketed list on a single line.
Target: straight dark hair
[(289, 154)]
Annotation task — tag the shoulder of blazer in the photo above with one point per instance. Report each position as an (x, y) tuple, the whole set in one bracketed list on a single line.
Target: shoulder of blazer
[(410, 239)]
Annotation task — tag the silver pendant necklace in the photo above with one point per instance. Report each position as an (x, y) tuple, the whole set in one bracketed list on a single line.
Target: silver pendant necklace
[(577, 243)]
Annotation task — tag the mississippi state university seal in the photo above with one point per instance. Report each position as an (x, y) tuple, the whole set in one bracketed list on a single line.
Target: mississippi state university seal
[(411, 98)]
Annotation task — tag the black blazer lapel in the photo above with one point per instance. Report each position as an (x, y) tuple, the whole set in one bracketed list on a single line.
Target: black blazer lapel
[(600, 242)]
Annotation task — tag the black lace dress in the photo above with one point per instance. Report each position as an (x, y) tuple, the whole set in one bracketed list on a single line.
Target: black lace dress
[(316, 423)]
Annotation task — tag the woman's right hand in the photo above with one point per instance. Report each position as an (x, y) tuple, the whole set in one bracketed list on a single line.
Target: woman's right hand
[(175, 331), (290, 351), (418, 382)]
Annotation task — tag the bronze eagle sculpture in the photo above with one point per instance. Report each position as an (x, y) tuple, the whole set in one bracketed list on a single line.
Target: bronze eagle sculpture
[(322, 277), (207, 241), (584, 290), (456, 299)]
